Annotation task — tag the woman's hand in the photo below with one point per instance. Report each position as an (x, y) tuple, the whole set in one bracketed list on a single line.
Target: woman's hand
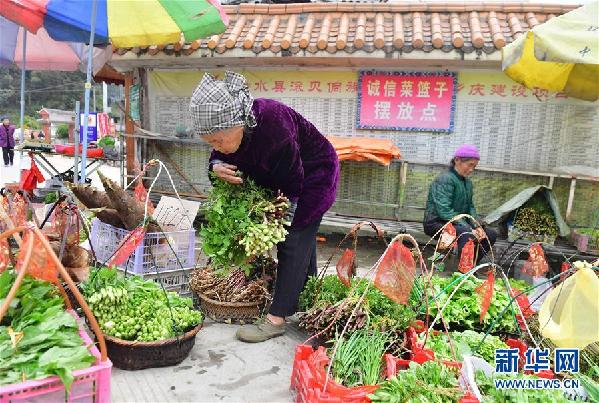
[(227, 172)]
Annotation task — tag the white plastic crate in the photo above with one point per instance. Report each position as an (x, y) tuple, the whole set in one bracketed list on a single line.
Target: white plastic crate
[(154, 254), (172, 280)]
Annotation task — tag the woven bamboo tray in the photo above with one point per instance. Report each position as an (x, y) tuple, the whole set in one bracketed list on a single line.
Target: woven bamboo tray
[(230, 311), (133, 355)]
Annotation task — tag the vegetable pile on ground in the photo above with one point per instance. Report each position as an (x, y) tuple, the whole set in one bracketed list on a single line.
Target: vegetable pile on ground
[(535, 218), (38, 338), (235, 285), (359, 358), (464, 308), (467, 342), (321, 302), (131, 308), (244, 221), (430, 382)]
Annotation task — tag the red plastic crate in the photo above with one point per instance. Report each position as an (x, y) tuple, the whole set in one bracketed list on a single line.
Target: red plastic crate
[(308, 378), (90, 384)]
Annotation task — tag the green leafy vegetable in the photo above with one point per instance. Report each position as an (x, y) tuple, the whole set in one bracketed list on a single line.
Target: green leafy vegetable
[(244, 221), (430, 382), (131, 308), (464, 308), (38, 338), (466, 342)]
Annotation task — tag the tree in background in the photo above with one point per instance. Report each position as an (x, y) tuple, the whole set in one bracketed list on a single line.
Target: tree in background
[(62, 131), (50, 89)]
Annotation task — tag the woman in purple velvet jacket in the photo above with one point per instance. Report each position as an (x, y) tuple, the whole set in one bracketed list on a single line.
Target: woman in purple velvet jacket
[(281, 150), (7, 141)]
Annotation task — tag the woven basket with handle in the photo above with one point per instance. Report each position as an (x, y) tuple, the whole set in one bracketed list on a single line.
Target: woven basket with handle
[(230, 311)]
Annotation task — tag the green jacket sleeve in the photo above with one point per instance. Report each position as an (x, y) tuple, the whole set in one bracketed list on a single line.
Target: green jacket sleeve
[(442, 193)]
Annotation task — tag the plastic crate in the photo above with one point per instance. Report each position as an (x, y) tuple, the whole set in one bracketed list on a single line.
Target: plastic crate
[(90, 384), (309, 375), (154, 254), (172, 280)]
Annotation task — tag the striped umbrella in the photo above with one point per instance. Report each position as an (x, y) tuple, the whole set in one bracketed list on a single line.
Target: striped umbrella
[(123, 23), (44, 53)]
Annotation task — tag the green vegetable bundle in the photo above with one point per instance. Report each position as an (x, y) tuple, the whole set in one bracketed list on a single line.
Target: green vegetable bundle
[(430, 382), (359, 358), (467, 342), (131, 308), (321, 301), (244, 221), (464, 308), (38, 338), (491, 394)]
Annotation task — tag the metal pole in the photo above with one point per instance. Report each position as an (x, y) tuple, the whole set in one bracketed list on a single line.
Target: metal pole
[(104, 98), (23, 71), (88, 86), (77, 131), (122, 149)]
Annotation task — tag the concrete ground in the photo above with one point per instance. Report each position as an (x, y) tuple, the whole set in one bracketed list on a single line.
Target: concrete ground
[(219, 369)]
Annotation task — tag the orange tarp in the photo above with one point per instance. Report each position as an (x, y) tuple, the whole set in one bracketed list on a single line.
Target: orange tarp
[(365, 149)]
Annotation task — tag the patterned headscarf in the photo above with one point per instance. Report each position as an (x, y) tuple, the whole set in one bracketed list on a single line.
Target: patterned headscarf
[(217, 105)]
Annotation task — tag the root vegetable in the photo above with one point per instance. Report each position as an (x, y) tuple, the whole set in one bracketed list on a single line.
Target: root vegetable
[(109, 216), (130, 210), (90, 197), (231, 288)]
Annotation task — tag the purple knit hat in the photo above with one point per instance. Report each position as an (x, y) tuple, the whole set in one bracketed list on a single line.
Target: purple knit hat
[(467, 151)]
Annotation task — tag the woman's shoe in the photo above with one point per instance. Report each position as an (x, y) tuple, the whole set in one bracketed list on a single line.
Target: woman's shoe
[(261, 331)]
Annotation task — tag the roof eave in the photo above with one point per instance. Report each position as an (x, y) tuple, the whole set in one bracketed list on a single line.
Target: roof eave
[(357, 60)]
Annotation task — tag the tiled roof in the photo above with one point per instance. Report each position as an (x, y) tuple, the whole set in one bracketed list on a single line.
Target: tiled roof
[(328, 28)]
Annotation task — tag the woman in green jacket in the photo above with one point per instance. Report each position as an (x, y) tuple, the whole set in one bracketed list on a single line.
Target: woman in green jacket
[(450, 194)]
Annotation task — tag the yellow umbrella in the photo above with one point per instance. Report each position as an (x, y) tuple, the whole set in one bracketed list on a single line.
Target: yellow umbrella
[(561, 55)]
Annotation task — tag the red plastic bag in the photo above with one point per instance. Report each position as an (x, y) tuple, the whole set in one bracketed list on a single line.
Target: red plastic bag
[(485, 291), (395, 274), (467, 257), (41, 265), (4, 254), (447, 238), (536, 265), (31, 177), (65, 222), (18, 212), (345, 266), (563, 268), (127, 246), (141, 195)]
